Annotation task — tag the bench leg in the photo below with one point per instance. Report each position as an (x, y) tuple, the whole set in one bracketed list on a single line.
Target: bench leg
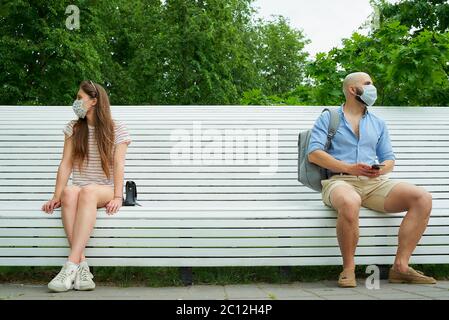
[(384, 270), (186, 275), (286, 271)]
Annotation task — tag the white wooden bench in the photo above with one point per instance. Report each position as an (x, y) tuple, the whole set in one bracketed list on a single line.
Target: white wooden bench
[(211, 214)]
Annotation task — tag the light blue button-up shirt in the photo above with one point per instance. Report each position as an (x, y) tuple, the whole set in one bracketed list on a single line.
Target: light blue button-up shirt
[(373, 145)]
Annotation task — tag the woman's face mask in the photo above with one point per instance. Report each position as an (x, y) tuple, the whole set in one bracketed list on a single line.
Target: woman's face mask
[(79, 109), (369, 95)]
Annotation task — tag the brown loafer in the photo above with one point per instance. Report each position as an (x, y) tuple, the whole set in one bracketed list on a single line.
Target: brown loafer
[(347, 279), (411, 276)]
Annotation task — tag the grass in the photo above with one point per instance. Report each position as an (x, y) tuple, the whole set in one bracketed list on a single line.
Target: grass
[(164, 277)]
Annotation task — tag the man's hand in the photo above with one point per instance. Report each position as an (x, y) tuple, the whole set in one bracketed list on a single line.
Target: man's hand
[(50, 205), (113, 206), (362, 169)]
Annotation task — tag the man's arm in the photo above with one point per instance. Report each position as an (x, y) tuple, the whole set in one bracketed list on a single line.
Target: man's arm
[(389, 166), (325, 160), (384, 151)]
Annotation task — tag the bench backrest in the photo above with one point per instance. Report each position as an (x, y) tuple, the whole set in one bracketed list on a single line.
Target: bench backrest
[(31, 141)]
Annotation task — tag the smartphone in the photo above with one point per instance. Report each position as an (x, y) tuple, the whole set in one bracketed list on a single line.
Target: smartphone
[(377, 166)]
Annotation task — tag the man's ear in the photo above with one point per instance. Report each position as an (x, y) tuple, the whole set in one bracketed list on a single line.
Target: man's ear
[(352, 91), (356, 91)]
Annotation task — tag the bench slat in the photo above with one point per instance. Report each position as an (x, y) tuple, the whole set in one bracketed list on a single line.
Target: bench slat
[(213, 242), (143, 150), (435, 184), (201, 197), (439, 158), (290, 163), (223, 223), (217, 175), (216, 252), (214, 232), (205, 206), (222, 262), (244, 189)]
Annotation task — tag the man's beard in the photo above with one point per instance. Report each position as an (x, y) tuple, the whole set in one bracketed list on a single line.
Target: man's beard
[(359, 92)]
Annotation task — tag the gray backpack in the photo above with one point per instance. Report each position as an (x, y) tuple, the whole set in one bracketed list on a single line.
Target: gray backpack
[(310, 174)]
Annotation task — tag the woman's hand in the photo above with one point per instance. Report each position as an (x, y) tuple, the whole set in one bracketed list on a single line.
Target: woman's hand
[(50, 205), (113, 206)]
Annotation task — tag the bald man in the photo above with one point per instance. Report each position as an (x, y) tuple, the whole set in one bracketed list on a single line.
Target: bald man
[(362, 141)]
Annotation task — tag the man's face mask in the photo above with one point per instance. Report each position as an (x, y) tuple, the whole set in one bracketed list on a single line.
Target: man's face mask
[(79, 109), (368, 96)]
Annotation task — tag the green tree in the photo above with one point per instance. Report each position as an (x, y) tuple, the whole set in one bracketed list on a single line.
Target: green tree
[(214, 52), (420, 15), (406, 70), (132, 67), (408, 65), (42, 62), (280, 55)]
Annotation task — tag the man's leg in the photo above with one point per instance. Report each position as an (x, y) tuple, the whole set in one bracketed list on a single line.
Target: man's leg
[(418, 204), (347, 202)]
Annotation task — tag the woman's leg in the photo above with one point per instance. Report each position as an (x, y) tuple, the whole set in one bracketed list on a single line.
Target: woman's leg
[(69, 204), (90, 198)]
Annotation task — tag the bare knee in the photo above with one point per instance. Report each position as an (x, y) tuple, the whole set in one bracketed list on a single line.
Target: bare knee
[(87, 195), (349, 208), (422, 200), (69, 196)]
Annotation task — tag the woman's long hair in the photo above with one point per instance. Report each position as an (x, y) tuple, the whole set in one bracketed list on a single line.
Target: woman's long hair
[(104, 129)]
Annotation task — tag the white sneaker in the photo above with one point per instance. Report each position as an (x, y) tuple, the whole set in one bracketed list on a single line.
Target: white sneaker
[(83, 279), (65, 278)]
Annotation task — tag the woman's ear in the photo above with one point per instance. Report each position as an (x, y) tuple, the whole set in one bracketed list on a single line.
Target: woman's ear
[(93, 102)]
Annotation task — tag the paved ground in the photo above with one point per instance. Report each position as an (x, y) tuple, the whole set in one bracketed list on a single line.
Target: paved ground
[(323, 290)]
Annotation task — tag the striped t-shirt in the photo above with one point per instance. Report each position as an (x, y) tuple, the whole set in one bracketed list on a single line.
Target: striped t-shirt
[(92, 172)]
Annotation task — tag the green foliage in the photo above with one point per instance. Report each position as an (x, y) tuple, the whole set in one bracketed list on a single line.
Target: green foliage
[(420, 15), (327, 79), (133, 68), (214, 52), (408, 70), (281, 58), (299, 96), (144, 52), (40, 60), (410, 67), (204, 54)]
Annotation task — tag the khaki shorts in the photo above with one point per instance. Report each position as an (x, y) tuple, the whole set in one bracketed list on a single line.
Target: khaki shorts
[(373, 191)]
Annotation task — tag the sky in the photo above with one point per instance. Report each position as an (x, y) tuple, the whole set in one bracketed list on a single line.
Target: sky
[(324, 22)]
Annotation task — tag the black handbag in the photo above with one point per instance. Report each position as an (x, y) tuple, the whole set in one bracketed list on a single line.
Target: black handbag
[(130, 194)]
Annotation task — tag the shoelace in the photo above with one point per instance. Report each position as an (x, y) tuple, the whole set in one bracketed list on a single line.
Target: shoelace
[(85, 274), (63, 274)]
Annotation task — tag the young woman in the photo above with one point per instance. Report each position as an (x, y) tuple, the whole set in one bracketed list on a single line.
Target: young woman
[(94, 153)]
